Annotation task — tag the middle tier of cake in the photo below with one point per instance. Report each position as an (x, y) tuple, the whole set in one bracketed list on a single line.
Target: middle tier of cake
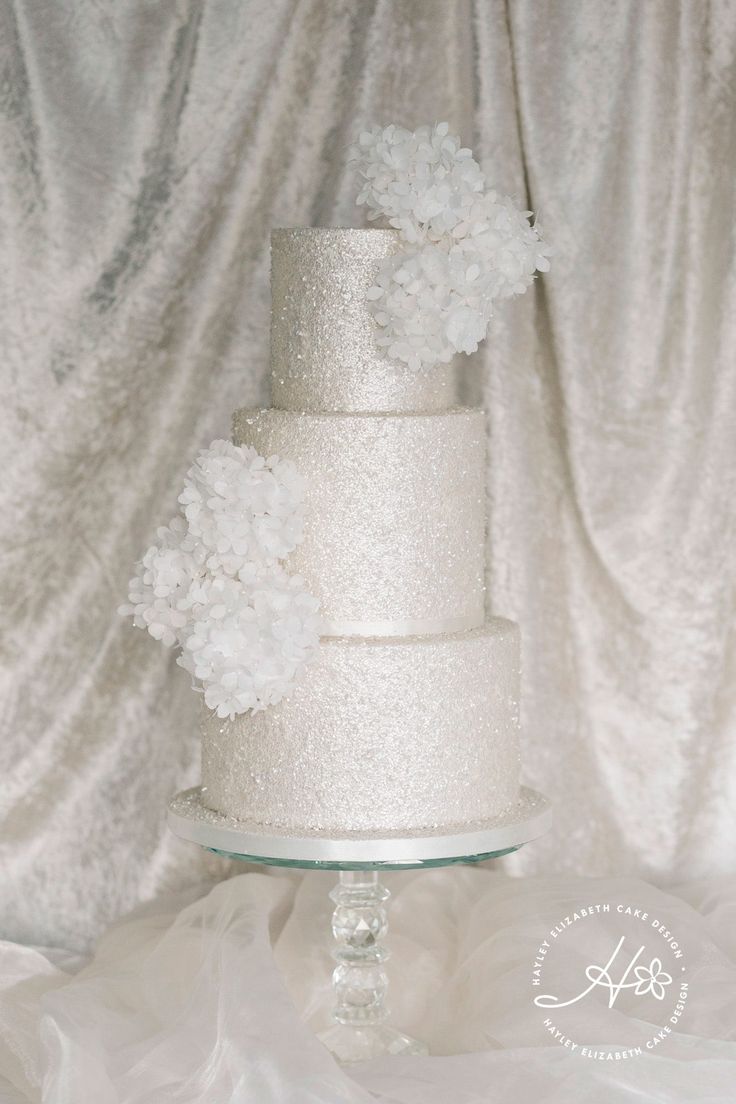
[(378, 735), (395, 515)]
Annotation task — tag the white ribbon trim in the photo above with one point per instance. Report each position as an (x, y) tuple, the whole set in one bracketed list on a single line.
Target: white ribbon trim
[(418, 627), (520, 822)]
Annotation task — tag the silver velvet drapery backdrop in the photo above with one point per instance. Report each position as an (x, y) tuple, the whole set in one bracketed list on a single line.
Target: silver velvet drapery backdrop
[(147, 150)]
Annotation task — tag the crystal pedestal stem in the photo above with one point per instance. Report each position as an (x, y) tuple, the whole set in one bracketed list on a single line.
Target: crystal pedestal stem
[(359, 925)]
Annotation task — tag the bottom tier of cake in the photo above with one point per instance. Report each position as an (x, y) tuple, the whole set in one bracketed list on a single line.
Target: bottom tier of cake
[(379, 735)]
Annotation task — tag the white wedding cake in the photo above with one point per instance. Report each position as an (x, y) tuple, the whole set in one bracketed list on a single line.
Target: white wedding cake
[(324, 577), (408, 718)]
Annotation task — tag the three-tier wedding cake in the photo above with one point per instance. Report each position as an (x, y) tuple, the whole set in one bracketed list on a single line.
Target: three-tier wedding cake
[(408, 716), (325, 577)]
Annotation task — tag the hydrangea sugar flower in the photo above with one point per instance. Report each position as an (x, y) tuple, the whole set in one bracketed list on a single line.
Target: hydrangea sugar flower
[(215, 586), (465, 245)]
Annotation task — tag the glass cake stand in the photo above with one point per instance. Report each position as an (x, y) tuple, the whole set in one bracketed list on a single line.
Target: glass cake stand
[(360, 919)]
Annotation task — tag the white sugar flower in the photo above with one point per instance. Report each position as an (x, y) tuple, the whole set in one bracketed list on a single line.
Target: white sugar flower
[(506, 243), (466, 246), (214, 584), (237, 504), (157, 595), (247, 646), (430, 304), (422, 181), (465, 328)]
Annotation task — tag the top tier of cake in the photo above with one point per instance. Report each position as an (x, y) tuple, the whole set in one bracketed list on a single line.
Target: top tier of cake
[(324, 355)]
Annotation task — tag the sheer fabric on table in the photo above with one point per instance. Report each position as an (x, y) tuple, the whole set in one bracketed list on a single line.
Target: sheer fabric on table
[(192, 999)]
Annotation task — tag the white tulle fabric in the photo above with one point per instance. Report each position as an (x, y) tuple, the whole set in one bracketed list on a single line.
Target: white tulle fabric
[(217, 997)]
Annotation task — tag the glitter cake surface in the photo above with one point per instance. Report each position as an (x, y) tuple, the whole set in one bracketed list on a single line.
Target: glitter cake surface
[(378, 735), (408, 719)]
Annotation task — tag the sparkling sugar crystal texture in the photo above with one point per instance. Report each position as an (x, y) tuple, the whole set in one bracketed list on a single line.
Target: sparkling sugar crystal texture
[(324, 354), (380, 735), (394, 514), (393, 727)]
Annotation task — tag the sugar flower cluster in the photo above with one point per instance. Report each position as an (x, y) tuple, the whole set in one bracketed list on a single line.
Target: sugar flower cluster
[(466, 246), (214, 584)]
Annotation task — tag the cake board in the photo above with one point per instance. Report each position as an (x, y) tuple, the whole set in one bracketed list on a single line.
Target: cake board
[(360, 920)]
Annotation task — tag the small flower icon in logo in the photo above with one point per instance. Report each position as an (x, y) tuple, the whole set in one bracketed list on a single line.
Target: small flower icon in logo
[(651, 979)]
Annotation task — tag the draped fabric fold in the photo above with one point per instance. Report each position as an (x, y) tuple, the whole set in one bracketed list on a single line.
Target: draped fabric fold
[(218, 997), (148, 149)]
